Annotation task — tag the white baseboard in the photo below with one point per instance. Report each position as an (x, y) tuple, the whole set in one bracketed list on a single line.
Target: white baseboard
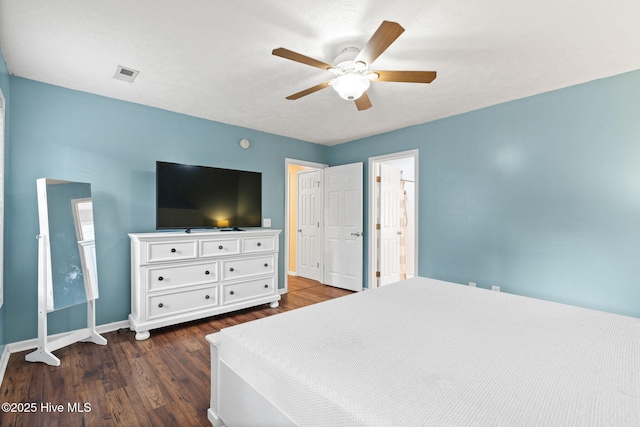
[(19, 346), (4, 360), (293, 273)]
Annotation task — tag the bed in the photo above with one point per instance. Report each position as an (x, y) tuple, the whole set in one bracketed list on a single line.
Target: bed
[(424, 352)]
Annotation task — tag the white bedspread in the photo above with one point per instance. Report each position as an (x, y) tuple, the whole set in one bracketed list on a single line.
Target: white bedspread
[(431, 353)]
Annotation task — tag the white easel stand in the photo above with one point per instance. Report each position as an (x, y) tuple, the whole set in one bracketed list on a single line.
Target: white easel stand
[(46, 345)]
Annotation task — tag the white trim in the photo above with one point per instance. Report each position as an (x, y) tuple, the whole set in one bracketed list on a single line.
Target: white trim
[(292, 273), (287, 162), (371, 273), (30, 344), (4, 361)]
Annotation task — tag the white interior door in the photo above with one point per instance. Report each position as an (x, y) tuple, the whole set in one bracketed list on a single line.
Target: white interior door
[(309, 242), (389, 221), (343, 226)]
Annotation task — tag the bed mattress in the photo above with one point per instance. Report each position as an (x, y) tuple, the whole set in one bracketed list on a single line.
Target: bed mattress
[(432, 353)]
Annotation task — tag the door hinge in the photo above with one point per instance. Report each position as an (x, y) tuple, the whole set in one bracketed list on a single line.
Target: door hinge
[(377, 226), (378, 179), (318, 265), (377, 274)]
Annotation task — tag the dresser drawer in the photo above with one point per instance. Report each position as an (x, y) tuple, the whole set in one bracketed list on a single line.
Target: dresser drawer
[(183, 301), (160, 278), (171, 251), (246, 290), (218, 247), (246, 267), (258, 244)]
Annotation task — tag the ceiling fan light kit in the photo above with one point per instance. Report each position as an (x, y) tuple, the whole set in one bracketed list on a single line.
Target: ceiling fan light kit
[(350, 81), (351, 86), (353, 75)]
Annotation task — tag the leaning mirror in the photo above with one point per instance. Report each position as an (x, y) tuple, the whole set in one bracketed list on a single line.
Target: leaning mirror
[(67, 272)]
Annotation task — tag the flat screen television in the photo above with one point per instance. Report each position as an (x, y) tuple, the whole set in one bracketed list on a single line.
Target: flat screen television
[(190, 197)]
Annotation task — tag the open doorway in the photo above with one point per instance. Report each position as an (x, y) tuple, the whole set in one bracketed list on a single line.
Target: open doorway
[(393, 218), (292, 167), (337, 223)]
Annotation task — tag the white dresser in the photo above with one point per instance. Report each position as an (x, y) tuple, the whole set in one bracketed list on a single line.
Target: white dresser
[(177, 277)]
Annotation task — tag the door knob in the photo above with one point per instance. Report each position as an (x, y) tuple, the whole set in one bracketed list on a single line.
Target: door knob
[(357, 234)]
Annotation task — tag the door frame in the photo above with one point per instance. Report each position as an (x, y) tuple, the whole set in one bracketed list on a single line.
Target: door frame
[(287, 195), (371, 229)]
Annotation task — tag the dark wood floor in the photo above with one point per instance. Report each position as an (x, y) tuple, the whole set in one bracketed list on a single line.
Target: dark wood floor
[(162, 381)]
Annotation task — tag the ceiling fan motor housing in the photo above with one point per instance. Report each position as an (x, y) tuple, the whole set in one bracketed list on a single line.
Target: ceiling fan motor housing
[(346, 59)]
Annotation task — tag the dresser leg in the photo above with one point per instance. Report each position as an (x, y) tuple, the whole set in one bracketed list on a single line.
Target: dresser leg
[(142, 335), (274, 304)]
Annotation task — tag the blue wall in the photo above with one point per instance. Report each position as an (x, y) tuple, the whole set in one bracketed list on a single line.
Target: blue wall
[(540, 196), (64, 134)]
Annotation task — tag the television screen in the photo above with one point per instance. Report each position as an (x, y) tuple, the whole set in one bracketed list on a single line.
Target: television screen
[(206, 197)]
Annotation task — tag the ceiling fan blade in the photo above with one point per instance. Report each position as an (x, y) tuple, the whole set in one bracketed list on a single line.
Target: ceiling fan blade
[(363, 102), (386, 34), (405, 76), (307, 91), (294, 56)]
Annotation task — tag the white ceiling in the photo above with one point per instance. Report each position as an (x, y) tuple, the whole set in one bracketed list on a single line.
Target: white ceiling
[(212, 59)]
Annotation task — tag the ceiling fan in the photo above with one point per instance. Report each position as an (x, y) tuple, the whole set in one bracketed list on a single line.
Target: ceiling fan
[(352, 71)]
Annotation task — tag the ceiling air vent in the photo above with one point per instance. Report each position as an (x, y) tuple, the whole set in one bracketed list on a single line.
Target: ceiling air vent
[(125, 74)]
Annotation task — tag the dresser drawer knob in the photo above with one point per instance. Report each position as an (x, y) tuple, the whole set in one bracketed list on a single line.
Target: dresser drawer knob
[(207, 297), (207, 272), (231, 269), (161, 305), (259, 244), (173, 250), (161, 278), (266, 265), (231, 293), (220, 247), (266, 286)]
